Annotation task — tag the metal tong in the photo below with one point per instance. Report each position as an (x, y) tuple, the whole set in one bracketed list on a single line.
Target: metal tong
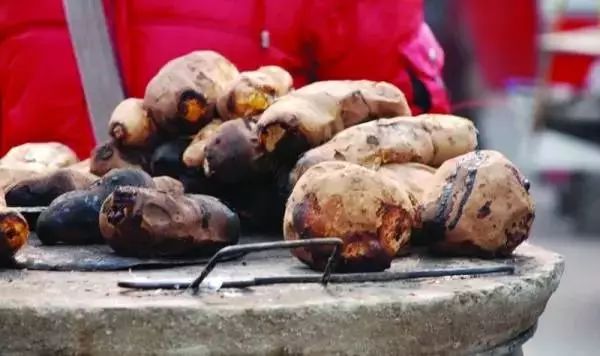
[(324, 279)]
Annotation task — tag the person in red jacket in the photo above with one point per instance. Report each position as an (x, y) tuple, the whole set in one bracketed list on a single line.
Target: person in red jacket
[(41, 96)]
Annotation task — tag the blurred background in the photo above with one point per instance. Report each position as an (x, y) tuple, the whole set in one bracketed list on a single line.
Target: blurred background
[(528, 73)]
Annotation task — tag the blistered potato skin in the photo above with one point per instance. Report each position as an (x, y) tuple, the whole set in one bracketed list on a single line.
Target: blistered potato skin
[(477, 204), (145, 223), (370, 212)]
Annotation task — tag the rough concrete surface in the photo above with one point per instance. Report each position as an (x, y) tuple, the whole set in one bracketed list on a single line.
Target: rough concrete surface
[(86, 313)]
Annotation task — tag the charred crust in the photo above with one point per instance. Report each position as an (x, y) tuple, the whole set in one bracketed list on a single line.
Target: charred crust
[(190, 96), (290, 146), (526, 185), (231, 103), (484, 210), (105, 152), (118, 131), (372, 140), (469, 184)]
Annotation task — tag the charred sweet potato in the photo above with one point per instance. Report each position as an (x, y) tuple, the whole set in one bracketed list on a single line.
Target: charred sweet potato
[(42, 189), (72, 218), (146, 223), (39, 156), (311, 115), (168, 185), (370, 212), (110, 155), (14, 233), (253, 91), (477, 204), (426, 139), (130, 125), (193, 156), (182, 96), (234, 153), (10, 176)]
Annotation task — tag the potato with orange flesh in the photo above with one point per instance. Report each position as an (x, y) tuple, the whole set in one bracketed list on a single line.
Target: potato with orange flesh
[(428, 139), (313, 114), (193, 156), (181, 98), (39, 156), (145, 222), (130, 125), (110, 155), (254, 91), (477, 204), (14, 232), (370, 212)]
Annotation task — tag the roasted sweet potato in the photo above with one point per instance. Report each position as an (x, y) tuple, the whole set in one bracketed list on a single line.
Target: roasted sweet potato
[(370, 212), (477, 204), (42, 189), (427, 139), (72, 218), (253, 91), (311, 115), (168, 185), (110, 155), (146, 223), (167, 161), (415, 177), (82, 166), (10, 176), (233, 153), (39, 156), (14, 232), (130, 125), (182, 96), (193, 156)]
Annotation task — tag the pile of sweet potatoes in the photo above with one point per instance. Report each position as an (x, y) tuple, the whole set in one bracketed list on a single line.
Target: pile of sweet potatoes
[(210, 151)]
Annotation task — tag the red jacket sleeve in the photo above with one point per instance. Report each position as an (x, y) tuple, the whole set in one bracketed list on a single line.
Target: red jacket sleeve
[(383, 40), (41, 98)]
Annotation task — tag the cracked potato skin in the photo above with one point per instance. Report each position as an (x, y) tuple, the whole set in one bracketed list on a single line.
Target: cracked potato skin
[(427, 139), (181, 97), (254, 91), (149, 223), (371, 213), (478, 204)]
